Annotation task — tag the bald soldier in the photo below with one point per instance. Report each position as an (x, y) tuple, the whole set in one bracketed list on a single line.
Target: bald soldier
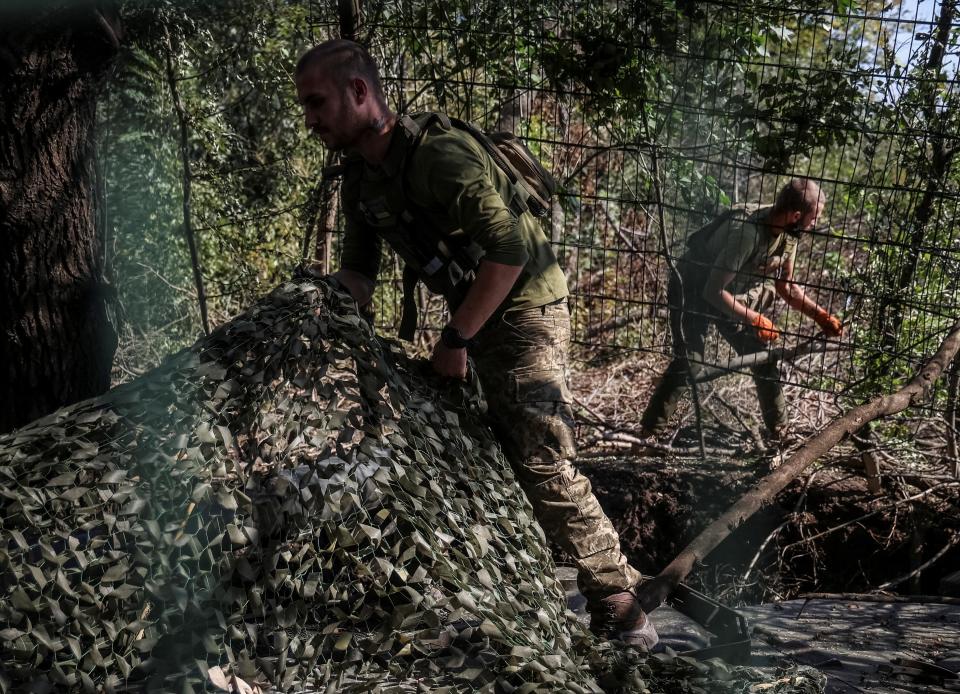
[(732, 273), (433, 193)]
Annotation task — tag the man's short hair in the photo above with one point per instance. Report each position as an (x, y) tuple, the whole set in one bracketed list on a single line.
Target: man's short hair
[(345, 60), (800, 194)]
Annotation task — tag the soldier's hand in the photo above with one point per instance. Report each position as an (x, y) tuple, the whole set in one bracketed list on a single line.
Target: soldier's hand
[(450, 363), (309, 269), (766, 330), (830, 325)]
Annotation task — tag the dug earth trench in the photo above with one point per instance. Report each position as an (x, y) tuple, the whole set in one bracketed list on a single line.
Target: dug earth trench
[(825, 533)]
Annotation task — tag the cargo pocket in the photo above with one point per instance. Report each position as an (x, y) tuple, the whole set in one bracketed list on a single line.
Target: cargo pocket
[(540, 385)]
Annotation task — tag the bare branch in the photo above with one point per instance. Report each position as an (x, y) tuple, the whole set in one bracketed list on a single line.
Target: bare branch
[(187, 177), (886, 507), (653, 593), (917, 571)]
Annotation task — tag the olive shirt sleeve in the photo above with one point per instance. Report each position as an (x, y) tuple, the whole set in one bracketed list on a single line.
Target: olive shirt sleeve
[(452, 173), (360, 243), (790, 248)]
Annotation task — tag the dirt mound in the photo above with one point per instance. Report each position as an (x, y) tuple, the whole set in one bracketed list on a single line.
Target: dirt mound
[(824, 533)]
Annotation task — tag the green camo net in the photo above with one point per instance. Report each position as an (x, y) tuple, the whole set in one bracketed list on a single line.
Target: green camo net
[(292, 504)]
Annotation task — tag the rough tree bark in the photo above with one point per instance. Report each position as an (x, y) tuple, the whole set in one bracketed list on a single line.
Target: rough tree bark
[(326, 218), (654, 592), (57, 344), (950, 415)]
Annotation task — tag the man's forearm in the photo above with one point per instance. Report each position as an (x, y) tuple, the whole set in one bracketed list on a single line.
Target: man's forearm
[(797, 298), (491, 286), (716, 294), (729, 306)]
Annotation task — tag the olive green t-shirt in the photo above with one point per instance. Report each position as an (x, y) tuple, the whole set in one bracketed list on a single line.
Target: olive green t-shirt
[(454, 184), (744, 245)]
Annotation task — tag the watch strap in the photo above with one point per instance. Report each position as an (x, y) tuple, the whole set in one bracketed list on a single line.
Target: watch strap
[(450, 337)]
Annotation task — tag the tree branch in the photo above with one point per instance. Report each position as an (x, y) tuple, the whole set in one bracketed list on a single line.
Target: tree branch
[(654, 592), (187, 177), (917, 571), (812, 346)]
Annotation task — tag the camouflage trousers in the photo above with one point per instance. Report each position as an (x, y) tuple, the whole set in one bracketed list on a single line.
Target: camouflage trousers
[(521, 360)]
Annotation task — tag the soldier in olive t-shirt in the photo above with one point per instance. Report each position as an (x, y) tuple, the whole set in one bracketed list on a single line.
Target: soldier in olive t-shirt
[(731, 274), (452, 186), (437, 198)]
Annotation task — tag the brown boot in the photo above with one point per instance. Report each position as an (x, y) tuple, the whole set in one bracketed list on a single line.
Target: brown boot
[(648, 442), (619, 616)]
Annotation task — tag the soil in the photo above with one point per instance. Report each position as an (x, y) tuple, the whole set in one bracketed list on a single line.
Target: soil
[(659, 505)]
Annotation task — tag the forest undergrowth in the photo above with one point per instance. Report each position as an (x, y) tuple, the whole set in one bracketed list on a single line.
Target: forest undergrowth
[(827, 532)]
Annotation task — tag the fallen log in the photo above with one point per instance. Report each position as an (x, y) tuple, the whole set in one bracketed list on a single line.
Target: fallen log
[(653, 593)]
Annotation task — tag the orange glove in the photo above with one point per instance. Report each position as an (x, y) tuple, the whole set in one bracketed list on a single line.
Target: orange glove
[(830, 325), (766, 330)]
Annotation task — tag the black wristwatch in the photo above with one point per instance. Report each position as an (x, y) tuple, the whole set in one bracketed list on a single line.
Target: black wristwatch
[(450, 337)]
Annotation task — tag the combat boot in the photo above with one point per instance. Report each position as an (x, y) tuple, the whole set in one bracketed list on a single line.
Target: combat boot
[(619, 616), (649, 442)]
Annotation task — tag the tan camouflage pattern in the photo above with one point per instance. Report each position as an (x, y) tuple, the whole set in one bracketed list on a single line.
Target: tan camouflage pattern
[(522, 363)]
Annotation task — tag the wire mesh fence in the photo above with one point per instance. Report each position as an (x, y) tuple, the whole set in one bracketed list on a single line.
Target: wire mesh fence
[(656, 117)]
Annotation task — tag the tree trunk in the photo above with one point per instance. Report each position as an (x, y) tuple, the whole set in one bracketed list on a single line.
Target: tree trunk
[(57, 345)]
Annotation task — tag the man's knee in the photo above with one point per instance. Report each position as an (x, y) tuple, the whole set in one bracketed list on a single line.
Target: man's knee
[(536, 431), (552, 478)]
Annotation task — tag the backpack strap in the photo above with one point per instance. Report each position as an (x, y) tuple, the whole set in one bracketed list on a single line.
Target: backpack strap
[(521, 200), (409, 311), (458, 261), (698, 239)]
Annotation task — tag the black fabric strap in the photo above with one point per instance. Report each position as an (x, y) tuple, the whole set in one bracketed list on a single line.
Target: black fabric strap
[(410, 313)]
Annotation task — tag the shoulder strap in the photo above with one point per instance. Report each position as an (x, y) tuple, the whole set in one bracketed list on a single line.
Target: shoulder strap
[(459, 259), (343, 164), (702, 236), (415, 124), (530, 198)]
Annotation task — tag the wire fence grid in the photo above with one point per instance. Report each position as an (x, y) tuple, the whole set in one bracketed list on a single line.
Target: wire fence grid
[(736, 98)]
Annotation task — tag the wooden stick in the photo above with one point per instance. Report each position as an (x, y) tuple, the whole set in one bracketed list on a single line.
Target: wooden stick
[(708, 373), (654, 592), (637, 444), (907, 500), (871, 465), (917, 571), (874, 597)]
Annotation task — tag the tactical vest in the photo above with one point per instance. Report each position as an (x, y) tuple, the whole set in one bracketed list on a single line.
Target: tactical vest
[(445, 262)]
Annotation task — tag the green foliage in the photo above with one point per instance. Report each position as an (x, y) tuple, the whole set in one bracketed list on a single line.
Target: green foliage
[(146, 251), (650, 113), (251, 164), (910, 285)]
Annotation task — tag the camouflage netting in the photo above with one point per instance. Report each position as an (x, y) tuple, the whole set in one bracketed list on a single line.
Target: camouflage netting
[(291, 503)]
